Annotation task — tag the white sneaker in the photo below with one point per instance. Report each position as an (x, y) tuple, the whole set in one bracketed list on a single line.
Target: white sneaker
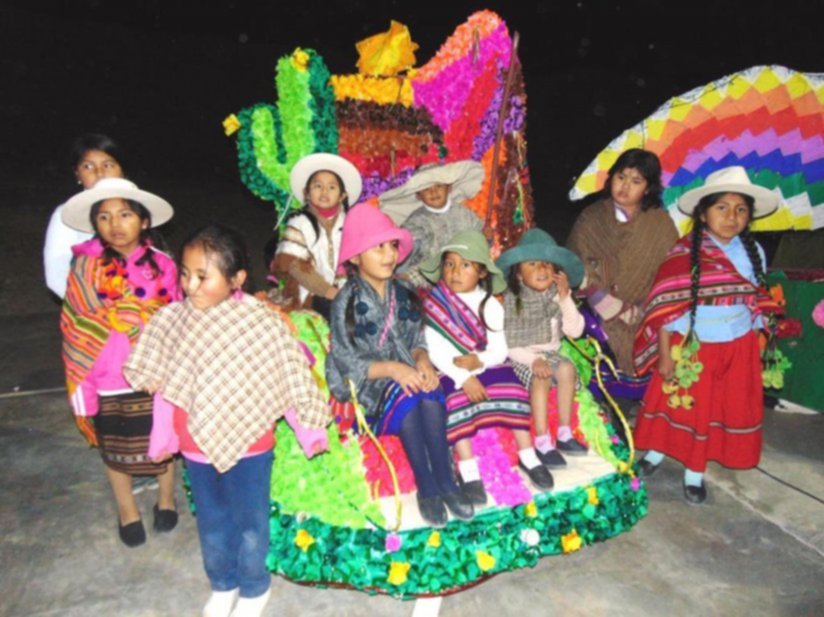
[(220, 603), (251, 607)]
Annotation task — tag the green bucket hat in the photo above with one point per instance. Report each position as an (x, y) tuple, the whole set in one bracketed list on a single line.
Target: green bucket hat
[(472, 246), (538, 245)]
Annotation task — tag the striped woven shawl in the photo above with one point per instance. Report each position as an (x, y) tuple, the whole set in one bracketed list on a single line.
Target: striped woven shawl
[(452, 318)]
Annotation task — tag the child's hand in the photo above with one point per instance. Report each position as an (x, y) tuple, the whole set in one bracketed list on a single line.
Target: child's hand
[(408, 378), (428, 374), (162, 458), (666, 366), (541, 369), (561, 284), (469, 362), (475, 390)]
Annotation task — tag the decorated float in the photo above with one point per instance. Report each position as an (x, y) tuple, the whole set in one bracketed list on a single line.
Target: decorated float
[(348, 517)]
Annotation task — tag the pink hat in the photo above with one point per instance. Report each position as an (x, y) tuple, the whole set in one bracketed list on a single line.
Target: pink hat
[(364, 227)]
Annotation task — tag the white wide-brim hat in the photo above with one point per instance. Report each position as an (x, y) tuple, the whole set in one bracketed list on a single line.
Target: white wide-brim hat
[(324, 161), (75, 212), (464, 178), (731, 180)]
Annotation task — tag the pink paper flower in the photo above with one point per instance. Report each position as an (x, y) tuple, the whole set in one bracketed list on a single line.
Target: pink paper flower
[(818, 314), (393, 542)]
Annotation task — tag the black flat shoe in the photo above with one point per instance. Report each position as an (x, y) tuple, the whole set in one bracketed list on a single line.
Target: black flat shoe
[(570, 447), (132, 534), (474, 492), (552, 459), (432, 511), (646, 469), (164, 520), (459, 505), (695, 495), (539, 476)]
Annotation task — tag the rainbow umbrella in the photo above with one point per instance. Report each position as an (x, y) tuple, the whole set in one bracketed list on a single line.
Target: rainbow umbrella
[(769, 119)]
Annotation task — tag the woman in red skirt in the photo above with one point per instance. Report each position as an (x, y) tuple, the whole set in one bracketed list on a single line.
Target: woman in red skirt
[(699, 330)]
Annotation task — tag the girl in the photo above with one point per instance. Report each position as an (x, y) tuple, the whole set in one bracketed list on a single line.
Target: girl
[(539, 311), (378, 344), (621, 239), (465, 334), (117, 280), (307, 253), (706, 301), (230, 367), (92, 157)]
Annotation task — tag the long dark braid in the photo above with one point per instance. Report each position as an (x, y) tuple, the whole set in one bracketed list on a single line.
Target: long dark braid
[(695, 262), (514, 284), (147, 238), (755, 257)]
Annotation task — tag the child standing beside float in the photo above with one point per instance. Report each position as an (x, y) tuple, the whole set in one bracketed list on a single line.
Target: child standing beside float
[(704, 402)]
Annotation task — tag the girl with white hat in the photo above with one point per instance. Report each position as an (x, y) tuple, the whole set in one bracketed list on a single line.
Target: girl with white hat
[(704, 402)]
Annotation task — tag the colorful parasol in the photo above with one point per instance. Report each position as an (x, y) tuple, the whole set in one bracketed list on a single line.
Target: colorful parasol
[(769, 119)]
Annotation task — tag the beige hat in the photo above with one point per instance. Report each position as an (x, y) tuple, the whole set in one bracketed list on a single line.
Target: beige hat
[(464, 177), (324, 161), (731, 180), (75, 212)]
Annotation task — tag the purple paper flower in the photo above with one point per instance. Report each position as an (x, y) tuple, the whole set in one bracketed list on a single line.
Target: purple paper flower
[(393, 542)]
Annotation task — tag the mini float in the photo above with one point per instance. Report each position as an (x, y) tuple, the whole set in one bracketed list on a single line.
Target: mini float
[(348, 518)]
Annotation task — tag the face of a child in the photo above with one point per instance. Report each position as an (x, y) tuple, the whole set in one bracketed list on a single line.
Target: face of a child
[(537, 275), (202, 280), (434, 196), (727, 217), (628, 187), (459, 274), (324, 191), (119, 226), (376, 265), (94, 165)]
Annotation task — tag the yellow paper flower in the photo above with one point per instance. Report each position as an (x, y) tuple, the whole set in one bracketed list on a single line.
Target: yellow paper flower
[(485, 561), (397, 572), (434, 540), (300, 59), (571, 542), (230, 124), (531, 510), (388, 53), (303, 540), (592, 496)]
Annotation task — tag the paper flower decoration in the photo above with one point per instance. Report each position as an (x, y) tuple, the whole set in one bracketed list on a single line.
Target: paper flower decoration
[(531, 510), (303, 540), (398, 571), (388, 53), (230, 124), (530, 537), (571, 542), (485, 561), (434, 540), (592, 496), (393, 542), (687, 370), (818, 314)]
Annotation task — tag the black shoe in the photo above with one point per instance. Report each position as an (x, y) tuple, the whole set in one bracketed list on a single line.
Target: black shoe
[(132, 534), (474, 492), (646, 469), (552, 459), (432, 510), (570, 447), (695, 494), (539, 476), (459, 505), (164, 520)]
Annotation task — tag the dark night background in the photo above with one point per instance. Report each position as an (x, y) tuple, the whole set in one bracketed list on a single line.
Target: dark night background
[(161, 76)]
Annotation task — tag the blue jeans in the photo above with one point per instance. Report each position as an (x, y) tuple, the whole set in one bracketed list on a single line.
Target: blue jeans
[(233, 523)]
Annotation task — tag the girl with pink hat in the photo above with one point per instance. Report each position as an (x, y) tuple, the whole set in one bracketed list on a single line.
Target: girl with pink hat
[(378, 345)]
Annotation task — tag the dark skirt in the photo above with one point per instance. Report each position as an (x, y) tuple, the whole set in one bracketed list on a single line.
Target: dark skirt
[(123, 425)]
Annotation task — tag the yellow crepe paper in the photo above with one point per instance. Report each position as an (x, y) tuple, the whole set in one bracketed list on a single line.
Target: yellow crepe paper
[(434, 540), (485, 561), (531, 510), (303, 540), (300, 59), (592, 496), (230, 124), (571, 542), (398, 571), (388, 53), (381, 90)]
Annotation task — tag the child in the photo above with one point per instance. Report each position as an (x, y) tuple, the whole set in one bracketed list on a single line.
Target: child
[(117, 280), (230, 367), (539, 311), (465, 335), (710, 290), (92, 157), (378, 344), (622, 239), (307, 253), (430, 205)]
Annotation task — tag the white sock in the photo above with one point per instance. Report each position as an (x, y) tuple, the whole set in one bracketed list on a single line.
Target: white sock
[(693, 478), (654, 457), (469, 470), (543, 443), (528, 458), (564, 433), (220, 603), (251, 607)]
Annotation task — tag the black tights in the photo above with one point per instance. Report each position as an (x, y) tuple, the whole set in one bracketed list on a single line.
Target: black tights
[(423, 435)]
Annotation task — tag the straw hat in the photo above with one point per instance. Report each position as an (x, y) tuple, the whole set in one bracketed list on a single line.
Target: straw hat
[(472, 246), (731, 180), (320, 161), (464, 178), (538, 245), (364, 227), (76, 212)]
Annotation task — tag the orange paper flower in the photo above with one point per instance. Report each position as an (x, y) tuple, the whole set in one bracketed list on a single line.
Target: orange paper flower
[(387, 53)]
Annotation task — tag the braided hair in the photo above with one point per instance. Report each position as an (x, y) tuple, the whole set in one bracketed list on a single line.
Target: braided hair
[(147, 237), (698, 227)]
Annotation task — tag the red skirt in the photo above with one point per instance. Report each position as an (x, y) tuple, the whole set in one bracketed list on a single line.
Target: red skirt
[(725, 423)]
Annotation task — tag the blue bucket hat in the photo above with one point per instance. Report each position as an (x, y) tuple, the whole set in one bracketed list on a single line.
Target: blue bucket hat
[(538, 245)]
